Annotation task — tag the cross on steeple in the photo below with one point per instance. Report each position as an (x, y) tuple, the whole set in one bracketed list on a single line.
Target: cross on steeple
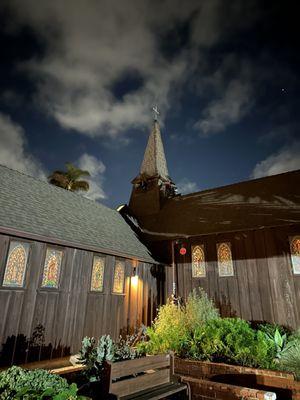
[(155, 113)]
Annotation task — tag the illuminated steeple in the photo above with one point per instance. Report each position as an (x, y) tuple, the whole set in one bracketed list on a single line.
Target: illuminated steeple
[(154, 163), (153, 186)]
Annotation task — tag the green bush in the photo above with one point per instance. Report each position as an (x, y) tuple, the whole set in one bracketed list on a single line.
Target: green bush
[(199, 309), (175, 324), (124, 348), (93, 354), (290, 359), (279, 341), (167, 331), (18, 383), (231, 340)]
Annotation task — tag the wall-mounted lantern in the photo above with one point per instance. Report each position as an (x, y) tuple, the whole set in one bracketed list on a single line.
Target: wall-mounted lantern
[(134, 278)]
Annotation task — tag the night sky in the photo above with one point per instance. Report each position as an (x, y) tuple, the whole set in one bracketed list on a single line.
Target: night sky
[(79, 78)]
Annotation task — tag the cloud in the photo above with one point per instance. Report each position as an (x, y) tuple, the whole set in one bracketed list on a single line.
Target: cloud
[(234, 97), (13, 149), (287, 159), (186, 186), (96, 169), (90, 45)]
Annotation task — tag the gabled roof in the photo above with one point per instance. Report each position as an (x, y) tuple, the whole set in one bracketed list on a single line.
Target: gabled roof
[(38, 209), (253, 204), (154, 162)]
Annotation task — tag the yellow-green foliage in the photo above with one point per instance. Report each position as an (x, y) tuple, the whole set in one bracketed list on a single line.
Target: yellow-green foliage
[(174, 323), (199, 309), (168, 330)]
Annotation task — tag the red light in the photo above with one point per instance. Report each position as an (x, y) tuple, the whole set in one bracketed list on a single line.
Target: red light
[(182, 251)]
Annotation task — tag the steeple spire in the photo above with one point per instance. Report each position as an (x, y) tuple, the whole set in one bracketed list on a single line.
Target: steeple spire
[(153, 186), (154, 163)]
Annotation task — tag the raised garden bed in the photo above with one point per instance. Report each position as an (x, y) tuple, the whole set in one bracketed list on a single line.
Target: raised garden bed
[(149, 377), (220, 375)]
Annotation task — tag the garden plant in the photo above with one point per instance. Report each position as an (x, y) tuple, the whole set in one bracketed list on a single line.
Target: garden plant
[(196, 331), (38, 384)]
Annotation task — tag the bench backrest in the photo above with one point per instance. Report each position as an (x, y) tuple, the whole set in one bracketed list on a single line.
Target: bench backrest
[(132, 376)]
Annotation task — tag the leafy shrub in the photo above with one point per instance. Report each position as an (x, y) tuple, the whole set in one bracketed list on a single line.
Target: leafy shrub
[(125, 348), (174, 324), (199, 309), (18, 383), (290, 359), (231, 340), (279, 341), (168, 330), (93, 354)]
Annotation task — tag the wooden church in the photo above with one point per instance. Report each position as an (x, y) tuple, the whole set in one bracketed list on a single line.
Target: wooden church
[(71, 267), (240, 243)]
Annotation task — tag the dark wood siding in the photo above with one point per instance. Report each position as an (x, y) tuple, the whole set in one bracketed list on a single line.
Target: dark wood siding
[(263, 288), (38, 323)]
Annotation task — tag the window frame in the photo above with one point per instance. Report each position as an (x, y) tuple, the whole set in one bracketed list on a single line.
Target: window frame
[(218, 244), (123, 261), (3, 270), (202, 246), (291, 239), (94, 291), (57, 248)]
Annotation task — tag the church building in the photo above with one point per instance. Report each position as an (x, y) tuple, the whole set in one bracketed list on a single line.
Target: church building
[(71, 267), (240, 243)]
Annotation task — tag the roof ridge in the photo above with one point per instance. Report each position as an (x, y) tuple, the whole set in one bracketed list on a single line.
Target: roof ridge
[(54, 187), (239, 183)]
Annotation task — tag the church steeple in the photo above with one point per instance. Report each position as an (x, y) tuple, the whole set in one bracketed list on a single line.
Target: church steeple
[(153, 185), (154, 162)]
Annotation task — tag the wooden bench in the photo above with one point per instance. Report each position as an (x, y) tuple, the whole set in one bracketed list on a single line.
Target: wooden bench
[(147, 378)]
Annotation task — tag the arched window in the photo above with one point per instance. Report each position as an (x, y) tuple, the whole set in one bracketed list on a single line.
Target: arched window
[(119, 276), (52, 268), (98, 274), (295, 253), (225, 265), (16, 264), (198, 262)]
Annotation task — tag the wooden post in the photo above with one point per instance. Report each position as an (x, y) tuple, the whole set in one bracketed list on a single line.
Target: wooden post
[(173, 272)]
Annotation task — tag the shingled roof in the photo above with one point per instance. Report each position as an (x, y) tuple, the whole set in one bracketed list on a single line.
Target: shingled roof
[(253, 204), (37, 209)]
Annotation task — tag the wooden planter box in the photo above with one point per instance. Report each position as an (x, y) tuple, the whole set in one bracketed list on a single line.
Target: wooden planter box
[(236, 381)]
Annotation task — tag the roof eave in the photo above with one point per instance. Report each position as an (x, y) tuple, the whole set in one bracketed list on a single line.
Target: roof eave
[(56, 241)]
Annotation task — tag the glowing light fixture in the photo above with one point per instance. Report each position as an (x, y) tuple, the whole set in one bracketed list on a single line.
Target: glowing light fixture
[(134, 278)]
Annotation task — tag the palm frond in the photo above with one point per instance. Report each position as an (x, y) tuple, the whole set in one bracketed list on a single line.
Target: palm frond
[(80, 185), (69, 179)]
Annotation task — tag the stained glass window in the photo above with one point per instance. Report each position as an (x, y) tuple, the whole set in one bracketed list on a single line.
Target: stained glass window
[(225, 264), (52, 268), (295, 253), (16, 264), (119, 276), (98, 274), (198, 262)]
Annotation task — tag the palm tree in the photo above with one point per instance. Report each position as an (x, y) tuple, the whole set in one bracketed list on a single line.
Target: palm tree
[(69, 179)]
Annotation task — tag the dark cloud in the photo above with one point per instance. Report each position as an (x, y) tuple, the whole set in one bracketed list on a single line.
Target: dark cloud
[(91, 47)]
